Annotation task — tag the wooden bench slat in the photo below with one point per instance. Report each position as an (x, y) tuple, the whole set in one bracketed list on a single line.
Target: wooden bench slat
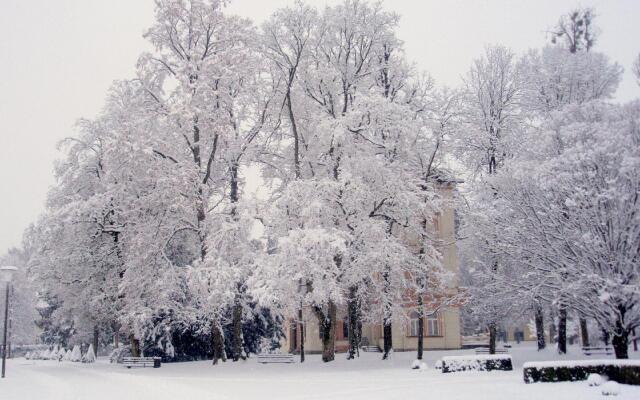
[(589, 350), (486, 351), (275, 358), (140, 361)]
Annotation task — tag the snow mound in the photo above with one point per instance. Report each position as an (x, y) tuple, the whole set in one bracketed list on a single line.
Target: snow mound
[(610, 388), (419, 365), (595, 380)]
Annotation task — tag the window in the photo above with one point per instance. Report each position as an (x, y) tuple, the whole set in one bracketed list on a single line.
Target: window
[(345, 328), (433, 325), (413, 323)]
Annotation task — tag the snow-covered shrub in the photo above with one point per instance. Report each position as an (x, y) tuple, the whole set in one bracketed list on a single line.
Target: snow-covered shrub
[(45, 355), (28, 356), (610, 388), (67, 356), (483, 362), (89, 356), (622, 371), (54, 353), (419, 365), (119, 353), (59, 354), (76, 354), (438, 364), (595, 380)]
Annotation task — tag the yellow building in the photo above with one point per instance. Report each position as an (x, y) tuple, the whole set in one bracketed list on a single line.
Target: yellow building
[(441, 329)]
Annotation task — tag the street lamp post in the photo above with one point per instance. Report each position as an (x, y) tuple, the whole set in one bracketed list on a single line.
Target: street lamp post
[(6, 274)]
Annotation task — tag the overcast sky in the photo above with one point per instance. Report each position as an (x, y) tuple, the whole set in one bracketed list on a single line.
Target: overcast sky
[(58, 58)]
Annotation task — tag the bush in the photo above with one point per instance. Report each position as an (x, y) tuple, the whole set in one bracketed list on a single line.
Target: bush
[(621, 371), (76, 354), (89, 356), (488, 362), (119, 353)]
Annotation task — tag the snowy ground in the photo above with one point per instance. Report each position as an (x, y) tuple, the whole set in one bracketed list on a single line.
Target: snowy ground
[(366, 378)]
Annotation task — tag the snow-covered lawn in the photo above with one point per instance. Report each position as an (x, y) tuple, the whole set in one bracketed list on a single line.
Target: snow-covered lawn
[(366, 378)]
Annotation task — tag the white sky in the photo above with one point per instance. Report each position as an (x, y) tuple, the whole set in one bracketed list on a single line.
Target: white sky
[(58, 58)]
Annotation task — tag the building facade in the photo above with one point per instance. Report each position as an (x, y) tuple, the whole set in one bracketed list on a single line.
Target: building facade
[(441, 328)]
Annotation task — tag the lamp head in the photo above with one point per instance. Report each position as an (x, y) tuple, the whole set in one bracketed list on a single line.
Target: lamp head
[(7, 273)]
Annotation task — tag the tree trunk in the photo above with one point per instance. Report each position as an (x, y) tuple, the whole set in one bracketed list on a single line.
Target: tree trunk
[(562, 330), (635, 340), (234, 195), (387, 338), (237, 331), (116, 334), (353, 317), (493, 331), (135, 346), (420, 327), (327, 325), (297, 172), (96, 337), (217, 343), (387, 325), (540, 328), (420, 336), (605, 337), (293, 337), (296, 138), (584, 332), (620, 341), (301, 328)]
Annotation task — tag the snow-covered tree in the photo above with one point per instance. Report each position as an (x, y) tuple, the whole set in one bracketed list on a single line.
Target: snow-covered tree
[(23, 300), (576, 214), (492, 121), (576, 30)]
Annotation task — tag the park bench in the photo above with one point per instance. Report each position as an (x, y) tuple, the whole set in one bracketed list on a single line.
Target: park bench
[(372, 349), (275, 358), (608, 350), (141, 362), (485, 350)]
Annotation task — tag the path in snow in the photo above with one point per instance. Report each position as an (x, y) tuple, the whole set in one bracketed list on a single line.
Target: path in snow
[(366, 378)]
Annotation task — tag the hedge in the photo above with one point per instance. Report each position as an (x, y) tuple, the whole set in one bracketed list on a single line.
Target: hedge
[(488, 362), (621, 371)]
